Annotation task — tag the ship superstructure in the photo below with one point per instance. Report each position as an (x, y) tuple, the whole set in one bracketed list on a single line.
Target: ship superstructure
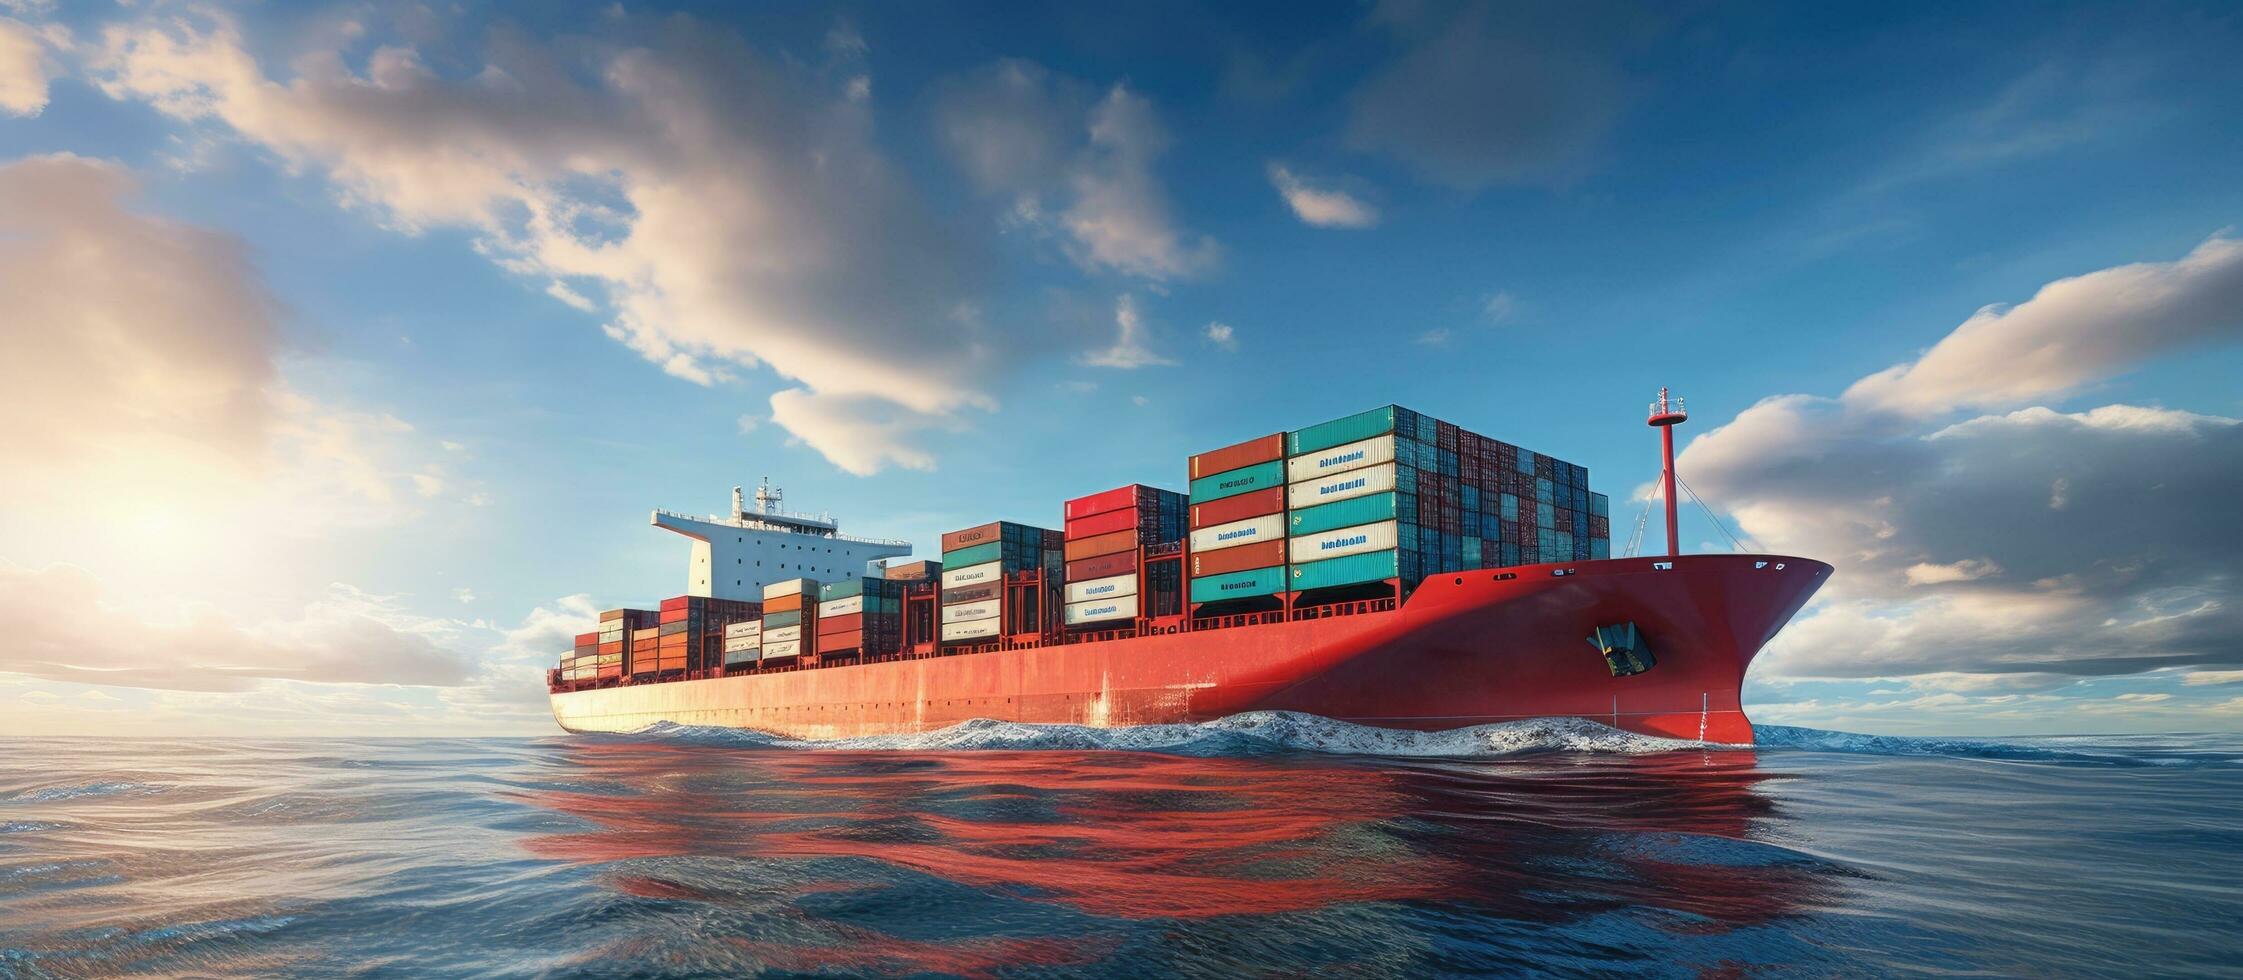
[(734, 557)]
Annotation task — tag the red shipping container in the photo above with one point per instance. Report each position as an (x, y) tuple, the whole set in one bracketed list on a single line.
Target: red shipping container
[(587, 639), (1097, 524), (676, 603), (1119, 498), (1261, 554), (1099, 567), (972, 536), (1253, 503), (675, 616), (1247, 453), (840, 624), (607, 672), (616, 647), (1104, 544), (918, 571), (837, 642)]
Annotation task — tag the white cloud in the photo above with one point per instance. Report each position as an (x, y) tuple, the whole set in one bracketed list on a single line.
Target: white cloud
[(729, 208), (1132, 348), (2202, 678), (856, 433), (65, 627), (1319, 206), (1222, 336), (1500, 307), (464, 594), (1018, 130), (2071, 332), (23, 68), (2036, 541)]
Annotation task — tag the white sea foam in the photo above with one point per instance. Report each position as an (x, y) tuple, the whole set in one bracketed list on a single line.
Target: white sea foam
[(1251, 733)]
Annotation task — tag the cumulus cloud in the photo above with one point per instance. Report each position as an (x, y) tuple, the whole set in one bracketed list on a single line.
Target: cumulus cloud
[(2071, 332), (1478, 97), (1321, 206), (23, 68), (724, 208), (65, 627), (859, 434), (2031, 541), (1132, 347), (1222, 336), (1075, 165)]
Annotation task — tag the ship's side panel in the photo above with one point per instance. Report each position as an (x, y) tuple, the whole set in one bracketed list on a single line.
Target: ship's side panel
[(1468, 648)]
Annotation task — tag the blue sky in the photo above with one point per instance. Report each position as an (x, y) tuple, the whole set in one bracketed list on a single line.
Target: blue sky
[(374, 331)]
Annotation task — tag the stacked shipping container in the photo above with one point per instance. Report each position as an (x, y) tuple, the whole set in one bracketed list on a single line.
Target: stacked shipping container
[(861, 616), (1237, 521), (1393, 494), (1107, 534), (783, 610), (690, 633), (743, 643), (976, 561)]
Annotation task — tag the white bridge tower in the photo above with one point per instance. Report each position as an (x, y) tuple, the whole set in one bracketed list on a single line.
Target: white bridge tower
[(735, 557)]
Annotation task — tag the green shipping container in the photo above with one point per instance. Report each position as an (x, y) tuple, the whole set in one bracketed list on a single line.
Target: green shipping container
[(1351, 570), (1325, 435), (841, 590), (1343, 513), (1230, 483), (1239, 585), (781, 620), (985, 552)]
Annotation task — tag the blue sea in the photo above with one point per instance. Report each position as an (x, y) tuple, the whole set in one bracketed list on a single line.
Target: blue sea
[(1261, 845)]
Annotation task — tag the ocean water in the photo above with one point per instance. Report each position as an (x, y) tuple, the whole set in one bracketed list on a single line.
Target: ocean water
[(1260, 845)]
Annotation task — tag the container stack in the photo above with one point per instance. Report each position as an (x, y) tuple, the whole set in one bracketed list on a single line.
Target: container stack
[(585, 662), (783, 610), (861, 616), (613, 639), (1106, 537), (1394, 494), (976, 561), (690, 633), (743, 643), (1237, 521)]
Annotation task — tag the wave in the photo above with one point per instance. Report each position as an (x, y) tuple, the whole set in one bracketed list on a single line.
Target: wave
[(1251, 733), (2124, 751)]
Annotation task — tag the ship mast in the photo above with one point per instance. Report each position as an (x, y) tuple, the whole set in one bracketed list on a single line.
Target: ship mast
[(1665, 415)]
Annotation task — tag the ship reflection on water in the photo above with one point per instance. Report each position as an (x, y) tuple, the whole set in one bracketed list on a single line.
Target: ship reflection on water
[(969, 862)]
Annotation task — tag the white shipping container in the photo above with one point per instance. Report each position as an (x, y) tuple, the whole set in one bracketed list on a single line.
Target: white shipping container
[(1340, 458), (1235, 533), (988, 571), (782, 634), (1340, 486), (966, 612), (1101, 610), (1110, 587), (780, 590), (736, 646), (787, 649), (969, 631), (1342, 542), (841, 607), (751, 628)]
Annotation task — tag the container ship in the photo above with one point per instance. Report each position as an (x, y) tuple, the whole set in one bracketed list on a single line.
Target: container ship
[(1386, 568)]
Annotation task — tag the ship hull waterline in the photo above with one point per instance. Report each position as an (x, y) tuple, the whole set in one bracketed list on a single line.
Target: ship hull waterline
[(1466, 648)]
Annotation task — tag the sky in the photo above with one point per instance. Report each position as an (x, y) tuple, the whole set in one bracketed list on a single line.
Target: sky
[(348, 346)]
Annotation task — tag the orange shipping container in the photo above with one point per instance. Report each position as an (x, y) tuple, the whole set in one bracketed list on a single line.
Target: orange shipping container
[(1247, 453), (785, 603), (972, 536), (1261, 554), (1104, 544)]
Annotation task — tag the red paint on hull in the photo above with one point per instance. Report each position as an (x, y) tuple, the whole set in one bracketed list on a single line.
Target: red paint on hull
[(1465, 649)]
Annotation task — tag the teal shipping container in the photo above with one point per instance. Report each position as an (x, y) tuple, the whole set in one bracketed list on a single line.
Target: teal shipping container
[(1239, 585), (1372, 566), (1344, 513), (1353, 428), (779, 620), (841, 590), (1231, 483)]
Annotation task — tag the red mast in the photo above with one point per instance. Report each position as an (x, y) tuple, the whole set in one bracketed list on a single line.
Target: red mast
[(1665, 415)]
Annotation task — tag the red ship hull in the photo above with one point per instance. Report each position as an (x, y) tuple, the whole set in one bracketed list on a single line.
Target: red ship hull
[(1465, 649)]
